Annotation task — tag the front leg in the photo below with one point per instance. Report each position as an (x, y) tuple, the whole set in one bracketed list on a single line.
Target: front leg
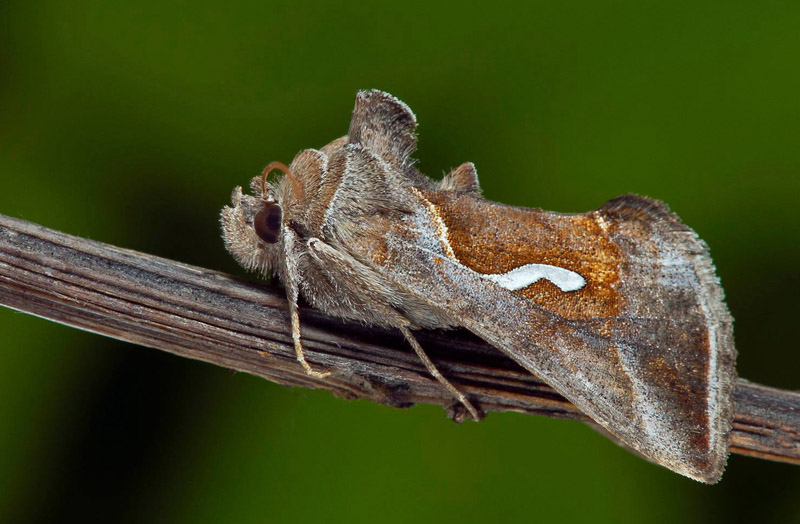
[(291, 241)]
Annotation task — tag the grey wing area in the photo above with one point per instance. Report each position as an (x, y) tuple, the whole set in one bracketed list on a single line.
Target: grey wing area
[(595, 371)]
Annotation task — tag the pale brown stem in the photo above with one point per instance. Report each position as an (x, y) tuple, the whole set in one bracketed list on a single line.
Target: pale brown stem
[(213, 317)]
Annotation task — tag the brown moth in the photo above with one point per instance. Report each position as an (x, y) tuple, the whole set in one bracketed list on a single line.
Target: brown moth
[(618, 309)]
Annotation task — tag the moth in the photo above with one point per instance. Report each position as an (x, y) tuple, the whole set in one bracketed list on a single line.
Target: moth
[(618, 309)]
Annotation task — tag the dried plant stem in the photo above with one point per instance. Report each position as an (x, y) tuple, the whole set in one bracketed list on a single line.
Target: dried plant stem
[(209, 316)]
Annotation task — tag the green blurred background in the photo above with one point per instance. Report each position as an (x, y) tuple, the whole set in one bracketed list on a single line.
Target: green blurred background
[(130, 123)]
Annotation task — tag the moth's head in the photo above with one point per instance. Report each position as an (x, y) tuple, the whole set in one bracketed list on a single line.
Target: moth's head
[(252, 226)]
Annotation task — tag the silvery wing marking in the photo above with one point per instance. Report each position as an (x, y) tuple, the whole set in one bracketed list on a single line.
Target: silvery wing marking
[(524, 276)]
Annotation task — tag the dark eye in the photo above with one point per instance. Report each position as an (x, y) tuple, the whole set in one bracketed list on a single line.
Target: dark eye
[(267, 223)]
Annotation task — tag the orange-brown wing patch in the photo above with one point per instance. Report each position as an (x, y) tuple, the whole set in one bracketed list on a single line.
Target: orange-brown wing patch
[(492, 238)]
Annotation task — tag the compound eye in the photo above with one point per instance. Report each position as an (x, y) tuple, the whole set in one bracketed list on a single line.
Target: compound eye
[(267, 223)]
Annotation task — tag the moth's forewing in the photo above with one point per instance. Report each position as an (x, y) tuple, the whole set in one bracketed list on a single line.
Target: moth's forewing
[(645, 347)]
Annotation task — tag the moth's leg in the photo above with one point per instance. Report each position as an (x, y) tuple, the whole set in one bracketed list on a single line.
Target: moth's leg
[(298, 344), (437, 375), (333, 261), (290, 244)]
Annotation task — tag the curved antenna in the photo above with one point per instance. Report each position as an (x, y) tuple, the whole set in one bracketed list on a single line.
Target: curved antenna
[(297, 187)]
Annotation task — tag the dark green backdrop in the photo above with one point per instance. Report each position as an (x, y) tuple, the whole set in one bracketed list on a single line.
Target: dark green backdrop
[(131, 122)]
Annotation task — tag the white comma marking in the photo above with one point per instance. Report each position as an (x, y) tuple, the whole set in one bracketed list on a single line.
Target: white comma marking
[(526, 275), (515, 279)]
